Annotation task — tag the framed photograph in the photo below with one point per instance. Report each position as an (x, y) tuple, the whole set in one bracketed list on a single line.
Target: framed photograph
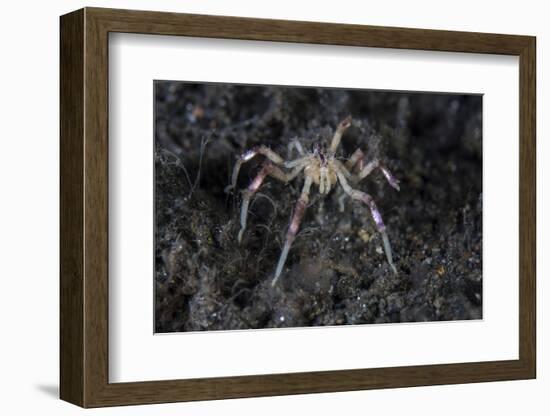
[(256, 207)]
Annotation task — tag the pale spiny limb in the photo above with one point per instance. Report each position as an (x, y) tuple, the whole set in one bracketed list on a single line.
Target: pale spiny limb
[(342, 127), (249, 154), (295, 144), (299, 211), (247, 195), (387, 174), (356, 160), (339, 166), (277, 173), (267, 169), (341, 199), (327, 182), (324, 180), (367, 199), (297, 162)]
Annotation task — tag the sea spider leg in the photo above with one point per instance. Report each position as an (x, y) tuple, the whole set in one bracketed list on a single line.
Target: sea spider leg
[(356, 159), (341, 200), (270, 169), (387, 174), (293, 227), (247, 195), (339, 166), (297, 162), (342, 127), (295, 144), (249, 154), (367, 199), (344, 169)]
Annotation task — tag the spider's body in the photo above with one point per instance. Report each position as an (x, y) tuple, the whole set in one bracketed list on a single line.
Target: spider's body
[(321, 168)]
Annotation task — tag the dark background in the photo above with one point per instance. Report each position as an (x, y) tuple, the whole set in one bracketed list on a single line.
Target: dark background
[(336, 271)]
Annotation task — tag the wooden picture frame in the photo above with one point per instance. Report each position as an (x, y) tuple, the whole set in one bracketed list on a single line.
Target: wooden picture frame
[(84, 207)]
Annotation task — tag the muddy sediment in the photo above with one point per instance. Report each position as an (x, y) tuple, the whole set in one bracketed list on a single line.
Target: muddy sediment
[(336, 272)]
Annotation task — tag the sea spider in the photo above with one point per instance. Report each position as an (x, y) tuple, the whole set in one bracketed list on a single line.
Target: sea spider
[(322, 168)]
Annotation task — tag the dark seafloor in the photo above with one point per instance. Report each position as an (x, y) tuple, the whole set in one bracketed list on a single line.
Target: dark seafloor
[(336, 272)]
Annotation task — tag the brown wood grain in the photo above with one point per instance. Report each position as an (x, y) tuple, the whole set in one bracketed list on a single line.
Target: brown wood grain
[(84, 207), (71, 213), (527, 208)]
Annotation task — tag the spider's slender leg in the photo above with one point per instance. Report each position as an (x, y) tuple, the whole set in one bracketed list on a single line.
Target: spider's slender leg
[(267, 169), (341, 200), (387, 174), (356, 159), (247, 195), (342, 127), (295, 144), (324, 182), (249, 154), (367, 199), (339, 166), (293, 227), (277, 173), (296, 162)]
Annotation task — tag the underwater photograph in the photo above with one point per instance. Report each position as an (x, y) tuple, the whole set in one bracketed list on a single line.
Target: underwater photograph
[(286, 206)]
